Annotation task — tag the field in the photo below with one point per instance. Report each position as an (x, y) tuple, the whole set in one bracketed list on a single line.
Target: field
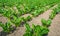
[(29, 17)]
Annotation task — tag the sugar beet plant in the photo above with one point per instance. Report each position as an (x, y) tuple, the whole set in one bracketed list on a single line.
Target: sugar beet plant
[(34, 7), (28, 18), (35, 30), (46, 22), (54, 12), (57, 9), (7, 27), (6, 12), (37, 12), (18, 21)]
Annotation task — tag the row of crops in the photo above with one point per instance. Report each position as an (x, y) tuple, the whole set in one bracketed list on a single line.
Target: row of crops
[(43, 30), (14, 9)]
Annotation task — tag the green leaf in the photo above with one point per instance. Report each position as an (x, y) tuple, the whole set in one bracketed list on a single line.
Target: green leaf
[(7, 27), (49, 22), (44, 30), (28, 34), (28, 18), (1, 24), (43, 21), (28, 29), (53, 14)]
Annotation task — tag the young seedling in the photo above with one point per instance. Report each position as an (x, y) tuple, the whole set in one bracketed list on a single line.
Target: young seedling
[(28, 18), (53, 14), (17, 22), (1, 11), (46, 22), (49, 22), (7, 12), (57, 10), (35, 13), (13, 18), (7, 27), (43, 21), (23, 19), (28, 28), (36, 30)]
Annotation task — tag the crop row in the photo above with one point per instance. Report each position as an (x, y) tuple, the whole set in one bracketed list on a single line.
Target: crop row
[(43, 30), (38, 30), (54, 12), (27, 6), (33, 7)]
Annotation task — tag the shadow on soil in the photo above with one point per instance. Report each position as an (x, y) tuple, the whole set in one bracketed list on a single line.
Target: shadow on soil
[(2, 33)]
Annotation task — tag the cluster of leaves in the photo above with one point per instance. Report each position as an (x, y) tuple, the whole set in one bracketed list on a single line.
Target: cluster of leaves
[(13, 17), (53, 14), (29, 6), (7, 27), (29, 3), (24, 7), (41, 10), (46, 22), (6, 12), (28, 18), (19, 21), (14, 20), (9, 3), (57, 9), (22, 10), (35, 30), (37, 12)]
